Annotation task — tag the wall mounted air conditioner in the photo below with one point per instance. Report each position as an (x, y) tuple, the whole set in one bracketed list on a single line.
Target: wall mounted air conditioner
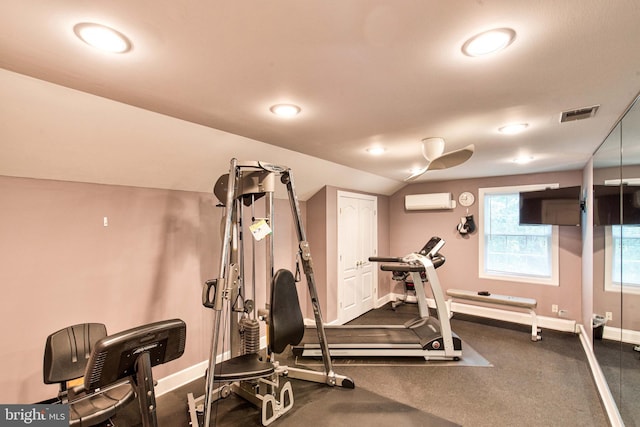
[(417, 202)]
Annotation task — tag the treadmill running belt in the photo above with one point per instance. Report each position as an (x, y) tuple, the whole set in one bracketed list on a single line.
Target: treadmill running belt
[(355, 336)]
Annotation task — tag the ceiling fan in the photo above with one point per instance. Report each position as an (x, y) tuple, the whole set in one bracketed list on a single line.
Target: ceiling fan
[(433, 151)]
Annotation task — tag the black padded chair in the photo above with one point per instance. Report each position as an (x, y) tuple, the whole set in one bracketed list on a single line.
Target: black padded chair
[(286, 325), (66, 354)]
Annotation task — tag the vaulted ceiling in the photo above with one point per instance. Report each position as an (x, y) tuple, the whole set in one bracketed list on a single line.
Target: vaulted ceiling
[(365, 73)]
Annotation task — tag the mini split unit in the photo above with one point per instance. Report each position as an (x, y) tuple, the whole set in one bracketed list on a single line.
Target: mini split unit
[(419, 202)]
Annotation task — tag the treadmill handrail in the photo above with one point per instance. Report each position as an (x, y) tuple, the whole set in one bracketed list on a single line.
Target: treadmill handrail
[(384, 259), (404, 267)]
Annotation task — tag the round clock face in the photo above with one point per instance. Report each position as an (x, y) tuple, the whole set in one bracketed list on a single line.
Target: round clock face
[(466, 199)]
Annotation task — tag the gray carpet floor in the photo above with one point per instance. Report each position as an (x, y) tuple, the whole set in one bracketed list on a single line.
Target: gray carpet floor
[(525, 383), (620, 365)]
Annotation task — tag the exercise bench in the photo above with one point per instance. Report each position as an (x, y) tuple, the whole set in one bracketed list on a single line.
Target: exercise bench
[(528, 304)]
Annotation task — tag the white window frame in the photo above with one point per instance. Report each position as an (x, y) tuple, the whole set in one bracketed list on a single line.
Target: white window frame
[(551, 281), (609, 284)]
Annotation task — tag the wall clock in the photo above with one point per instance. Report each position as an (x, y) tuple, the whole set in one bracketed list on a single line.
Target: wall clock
[(466, 199)]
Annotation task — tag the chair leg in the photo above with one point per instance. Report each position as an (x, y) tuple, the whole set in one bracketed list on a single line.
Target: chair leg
[(535, 332)]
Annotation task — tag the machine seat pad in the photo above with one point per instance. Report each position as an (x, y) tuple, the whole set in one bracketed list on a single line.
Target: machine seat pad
[(92, 409), (245, 367), (286, 325)]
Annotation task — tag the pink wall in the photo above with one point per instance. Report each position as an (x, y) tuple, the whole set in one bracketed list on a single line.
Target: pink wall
[(411, 230), (61, 266), (384, 242), (322, 234), (331, 215), (317, 236)]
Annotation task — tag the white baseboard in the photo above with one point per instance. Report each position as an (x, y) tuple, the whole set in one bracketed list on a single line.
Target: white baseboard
[(385, 299), (623, 335), (613, 414), (180, 378)]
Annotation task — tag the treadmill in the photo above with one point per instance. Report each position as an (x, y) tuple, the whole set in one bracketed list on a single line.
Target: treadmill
[(425, 336)]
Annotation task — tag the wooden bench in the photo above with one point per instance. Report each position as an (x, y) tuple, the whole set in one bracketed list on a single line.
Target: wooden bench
[(528, 304)]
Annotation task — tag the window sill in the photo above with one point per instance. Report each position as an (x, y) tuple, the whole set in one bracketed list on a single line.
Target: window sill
[(520, 279), (629, 289)]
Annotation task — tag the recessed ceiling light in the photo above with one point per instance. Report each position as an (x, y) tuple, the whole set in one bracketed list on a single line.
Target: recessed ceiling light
[(513, 128), (375, 151), (522, 160), (102, 37), (285, 110), (489, 42)]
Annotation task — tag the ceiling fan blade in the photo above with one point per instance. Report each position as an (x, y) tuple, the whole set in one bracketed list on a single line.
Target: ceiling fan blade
[(453, 158), (416, 174)]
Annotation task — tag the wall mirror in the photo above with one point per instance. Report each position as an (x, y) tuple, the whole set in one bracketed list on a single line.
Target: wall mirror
[(616, 262)]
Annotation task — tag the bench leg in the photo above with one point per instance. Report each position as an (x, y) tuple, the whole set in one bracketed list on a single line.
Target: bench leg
[(535, 332), (449, 309)]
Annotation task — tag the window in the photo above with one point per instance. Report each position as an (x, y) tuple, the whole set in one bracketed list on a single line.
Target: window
[(622, 258), (510, 251)]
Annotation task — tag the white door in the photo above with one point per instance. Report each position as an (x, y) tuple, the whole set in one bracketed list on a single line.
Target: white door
[(357, 241)]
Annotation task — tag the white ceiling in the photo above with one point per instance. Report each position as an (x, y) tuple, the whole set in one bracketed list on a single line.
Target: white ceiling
[(364, 72)]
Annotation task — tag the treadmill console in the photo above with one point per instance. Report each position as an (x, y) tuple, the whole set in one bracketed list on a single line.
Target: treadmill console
[(432, 247)]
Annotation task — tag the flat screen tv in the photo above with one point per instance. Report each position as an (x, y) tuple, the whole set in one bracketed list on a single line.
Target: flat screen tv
[(609, 199), (552, 206)]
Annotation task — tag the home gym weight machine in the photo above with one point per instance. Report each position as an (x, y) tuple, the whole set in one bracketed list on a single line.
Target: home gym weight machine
[(424, 336), (246, 373)]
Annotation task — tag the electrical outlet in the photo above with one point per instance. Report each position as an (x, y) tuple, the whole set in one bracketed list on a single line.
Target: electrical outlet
[(608, 315), (554, 308)]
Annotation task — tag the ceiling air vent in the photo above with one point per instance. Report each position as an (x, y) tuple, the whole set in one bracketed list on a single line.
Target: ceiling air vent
[(579, 114)]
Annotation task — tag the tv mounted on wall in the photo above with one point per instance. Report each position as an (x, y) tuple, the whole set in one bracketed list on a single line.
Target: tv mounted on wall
[(552, 206), (608, 200)]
